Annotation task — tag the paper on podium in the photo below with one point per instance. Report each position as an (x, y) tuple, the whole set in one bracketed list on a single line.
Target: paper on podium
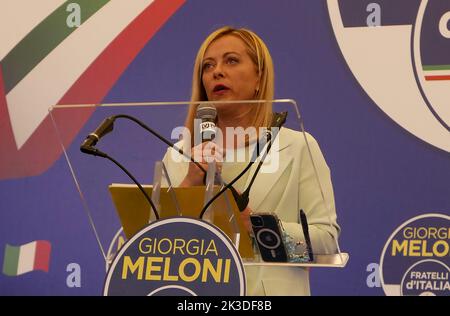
[(135, 212)]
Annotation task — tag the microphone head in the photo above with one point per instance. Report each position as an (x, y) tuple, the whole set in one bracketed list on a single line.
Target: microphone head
[(206, 112), (278, 119)]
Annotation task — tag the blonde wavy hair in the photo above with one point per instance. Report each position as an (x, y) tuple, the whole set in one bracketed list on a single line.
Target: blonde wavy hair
[(259, 54)]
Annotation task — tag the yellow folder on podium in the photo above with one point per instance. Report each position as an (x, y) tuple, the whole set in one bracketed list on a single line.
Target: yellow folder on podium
[(135, 212)]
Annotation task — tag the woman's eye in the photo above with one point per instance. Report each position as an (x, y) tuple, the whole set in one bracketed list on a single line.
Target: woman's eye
[(207, 66), (232, 60)]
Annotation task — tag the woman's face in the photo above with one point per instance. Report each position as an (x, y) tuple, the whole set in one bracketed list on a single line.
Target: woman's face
[(228, 71)]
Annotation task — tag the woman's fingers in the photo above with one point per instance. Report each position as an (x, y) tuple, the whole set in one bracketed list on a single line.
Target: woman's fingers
[(207, 152), (245, 217), (212, 149)]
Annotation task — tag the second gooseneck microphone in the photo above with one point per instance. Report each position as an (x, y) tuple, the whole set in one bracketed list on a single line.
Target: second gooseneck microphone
[(88, 145)]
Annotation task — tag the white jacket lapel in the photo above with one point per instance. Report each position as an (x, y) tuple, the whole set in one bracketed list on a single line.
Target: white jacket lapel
[(265, 181)]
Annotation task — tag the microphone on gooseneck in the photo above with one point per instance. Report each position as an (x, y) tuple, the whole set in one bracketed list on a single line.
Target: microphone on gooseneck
[(88, 147), (91, 140), (278, 121)]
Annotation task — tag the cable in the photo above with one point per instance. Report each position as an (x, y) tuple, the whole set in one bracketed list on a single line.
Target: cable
[(179, 150), (278, 120), (242, 204), (137, 183), (241, 200)]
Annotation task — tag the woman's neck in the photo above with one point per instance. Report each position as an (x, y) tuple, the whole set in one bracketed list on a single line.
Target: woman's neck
[(234, 119)]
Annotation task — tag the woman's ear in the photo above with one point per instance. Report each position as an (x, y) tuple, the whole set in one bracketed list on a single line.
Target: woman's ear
[(257, 84), (256, 91)]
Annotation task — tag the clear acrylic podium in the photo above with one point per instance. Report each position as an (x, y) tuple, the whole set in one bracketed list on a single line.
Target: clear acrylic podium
[(116, 207)]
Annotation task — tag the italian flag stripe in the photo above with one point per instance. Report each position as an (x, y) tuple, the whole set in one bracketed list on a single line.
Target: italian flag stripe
[(22, 17), (91, 87), (436, 72), (26, 258), (11, 260), (42, 256), (437, 78), (435, 67), (63, 66), (42, 40)]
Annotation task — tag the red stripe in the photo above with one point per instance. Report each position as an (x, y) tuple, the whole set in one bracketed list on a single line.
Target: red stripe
[(42, 255), (91, 87), (435, 78)]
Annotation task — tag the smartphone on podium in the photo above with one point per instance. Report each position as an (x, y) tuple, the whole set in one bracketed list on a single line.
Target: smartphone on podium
[(268, 234)]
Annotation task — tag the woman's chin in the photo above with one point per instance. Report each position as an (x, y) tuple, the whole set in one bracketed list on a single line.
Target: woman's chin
[(225, 107)]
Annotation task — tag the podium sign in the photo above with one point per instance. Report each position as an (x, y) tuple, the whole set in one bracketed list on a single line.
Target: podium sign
[(177, 256)]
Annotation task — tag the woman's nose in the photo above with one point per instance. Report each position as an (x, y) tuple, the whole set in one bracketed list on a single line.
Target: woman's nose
[(218, 72)]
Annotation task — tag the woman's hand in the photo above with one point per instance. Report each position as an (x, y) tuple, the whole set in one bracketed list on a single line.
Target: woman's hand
[(245, 218), (202, 153)]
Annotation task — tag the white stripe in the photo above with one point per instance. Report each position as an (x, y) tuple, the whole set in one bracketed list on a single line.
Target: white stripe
[(26, 258), (20, 17), (44, 86), (445, 72)]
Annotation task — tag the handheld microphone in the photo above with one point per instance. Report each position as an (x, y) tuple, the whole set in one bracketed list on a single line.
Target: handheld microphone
[(208, 116), (242, 200)]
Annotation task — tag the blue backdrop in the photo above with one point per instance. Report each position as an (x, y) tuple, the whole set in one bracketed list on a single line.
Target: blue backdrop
[(382, 174)]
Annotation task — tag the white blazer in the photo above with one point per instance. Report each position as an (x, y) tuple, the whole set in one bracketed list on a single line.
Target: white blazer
[(291, 186)]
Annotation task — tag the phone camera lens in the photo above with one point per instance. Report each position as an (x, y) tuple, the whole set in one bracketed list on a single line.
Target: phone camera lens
[(257, 221), (268, 238)]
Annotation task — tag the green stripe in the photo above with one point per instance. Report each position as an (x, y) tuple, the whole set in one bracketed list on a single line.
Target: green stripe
[(45, 37), (436, 67), (11, 260)]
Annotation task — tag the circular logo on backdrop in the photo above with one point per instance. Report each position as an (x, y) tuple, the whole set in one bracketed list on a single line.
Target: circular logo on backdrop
[(431, 51), (114, 246), (399, 52), (177, 256), (416, 258)]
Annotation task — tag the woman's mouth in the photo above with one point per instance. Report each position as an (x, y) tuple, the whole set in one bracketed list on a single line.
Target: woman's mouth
[(220, 89)]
